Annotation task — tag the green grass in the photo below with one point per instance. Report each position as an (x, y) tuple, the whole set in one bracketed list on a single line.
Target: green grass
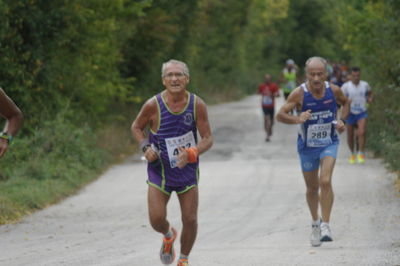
[(56, 161), (40, 169)]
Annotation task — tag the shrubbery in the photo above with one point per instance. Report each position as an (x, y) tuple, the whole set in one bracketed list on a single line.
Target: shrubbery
[(100, 60)]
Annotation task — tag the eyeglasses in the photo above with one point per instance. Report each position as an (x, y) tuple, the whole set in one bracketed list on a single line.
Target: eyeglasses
[(177, 75)]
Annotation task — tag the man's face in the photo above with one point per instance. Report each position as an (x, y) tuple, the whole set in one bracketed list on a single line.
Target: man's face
[(174, 79), (316, 75), (267, 79), (355, 77)]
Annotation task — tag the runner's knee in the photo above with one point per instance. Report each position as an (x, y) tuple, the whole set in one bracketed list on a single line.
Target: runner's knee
[(189, 220), (325, 184), (360, 132), (158, 221), (312, 190)]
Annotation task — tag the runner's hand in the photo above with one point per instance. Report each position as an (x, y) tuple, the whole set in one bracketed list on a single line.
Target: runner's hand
[(182, 158), (340, 126), (150, 155), (304, 116), (3, 146)]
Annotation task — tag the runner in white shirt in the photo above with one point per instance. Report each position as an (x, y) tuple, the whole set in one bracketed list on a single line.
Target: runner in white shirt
[(360, 94)]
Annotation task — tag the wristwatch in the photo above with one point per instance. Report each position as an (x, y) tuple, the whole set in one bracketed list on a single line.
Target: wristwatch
[(145, 147), (5, 135)]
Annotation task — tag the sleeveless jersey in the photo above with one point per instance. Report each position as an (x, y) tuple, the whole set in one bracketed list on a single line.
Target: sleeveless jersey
[(358, 95), (319, 131), (175, 130), (290, 76)]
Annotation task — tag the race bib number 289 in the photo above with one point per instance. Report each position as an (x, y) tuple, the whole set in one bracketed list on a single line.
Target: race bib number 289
[(319, 135), (185, 141)]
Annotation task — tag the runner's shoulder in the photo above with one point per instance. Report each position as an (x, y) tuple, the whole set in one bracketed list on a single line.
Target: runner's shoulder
[(334, 87), (199, 101), (346, 84), (150, 105), (365, 84), (296, 95), (298, 91)]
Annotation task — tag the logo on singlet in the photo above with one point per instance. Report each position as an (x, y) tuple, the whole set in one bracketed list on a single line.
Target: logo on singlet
[(188, 119)]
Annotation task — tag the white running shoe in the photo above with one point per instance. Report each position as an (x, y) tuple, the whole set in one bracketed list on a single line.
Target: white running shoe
[(325, 232), (315, 237)]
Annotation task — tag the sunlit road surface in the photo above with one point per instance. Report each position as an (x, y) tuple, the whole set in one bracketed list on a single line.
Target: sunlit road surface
[(252, 209)]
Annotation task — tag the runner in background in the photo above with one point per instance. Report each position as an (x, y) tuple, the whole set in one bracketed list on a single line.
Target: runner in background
[(360, 94), (317, 143), (268, 90), (289, 77)]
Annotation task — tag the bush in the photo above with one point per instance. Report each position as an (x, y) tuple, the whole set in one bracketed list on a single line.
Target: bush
[(56, 160)]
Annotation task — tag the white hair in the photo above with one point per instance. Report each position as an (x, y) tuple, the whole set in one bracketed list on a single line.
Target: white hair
[(175, 62), (322, 60)]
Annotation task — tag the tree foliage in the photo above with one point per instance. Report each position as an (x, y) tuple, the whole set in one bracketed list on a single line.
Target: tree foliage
[(90, 61), (371, 34)]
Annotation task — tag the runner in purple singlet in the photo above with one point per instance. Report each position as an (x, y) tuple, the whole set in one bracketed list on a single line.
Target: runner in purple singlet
[(172, 148)]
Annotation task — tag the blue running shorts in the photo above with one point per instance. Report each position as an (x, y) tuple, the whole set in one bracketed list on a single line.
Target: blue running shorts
[(352, 118), (310, 160)]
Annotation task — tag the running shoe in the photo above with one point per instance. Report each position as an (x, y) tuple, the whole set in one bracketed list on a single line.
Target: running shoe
[(183, 262), (167, 252), (315, 237), (352, 159), (361, 158), (325, 232)]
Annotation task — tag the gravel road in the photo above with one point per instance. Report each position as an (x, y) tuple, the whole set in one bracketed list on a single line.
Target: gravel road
[(252, 209)]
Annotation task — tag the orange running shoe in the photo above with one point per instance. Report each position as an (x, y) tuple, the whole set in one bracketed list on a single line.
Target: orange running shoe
[(361, 158), (183, 262), (167, 252), (352, 159)]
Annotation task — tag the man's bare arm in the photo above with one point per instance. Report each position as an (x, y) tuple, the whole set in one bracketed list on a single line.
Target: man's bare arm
[(342, 100), (11, 112), (143, 120), (203, 126), (295, 98)]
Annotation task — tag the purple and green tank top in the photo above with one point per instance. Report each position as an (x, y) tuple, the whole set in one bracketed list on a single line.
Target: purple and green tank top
[(175, 130)]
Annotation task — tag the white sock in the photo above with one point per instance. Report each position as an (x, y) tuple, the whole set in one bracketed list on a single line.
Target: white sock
[(317, 222), (169, 234)]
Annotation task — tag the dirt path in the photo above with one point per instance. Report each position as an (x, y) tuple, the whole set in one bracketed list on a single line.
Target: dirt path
[(252, 209)]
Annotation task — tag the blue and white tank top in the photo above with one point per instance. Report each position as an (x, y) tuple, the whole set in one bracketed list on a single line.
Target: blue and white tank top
[(357, 93), (319, 131)]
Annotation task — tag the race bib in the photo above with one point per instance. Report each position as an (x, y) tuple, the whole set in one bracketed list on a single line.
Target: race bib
[(357, 107), (291, 85), (319, 135), (185, 141), (266, 100)]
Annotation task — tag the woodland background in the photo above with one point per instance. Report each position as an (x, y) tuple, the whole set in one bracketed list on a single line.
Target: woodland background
[(81, 69)]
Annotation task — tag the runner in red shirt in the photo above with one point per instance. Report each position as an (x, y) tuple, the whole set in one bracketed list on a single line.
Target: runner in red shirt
[(268, 90)]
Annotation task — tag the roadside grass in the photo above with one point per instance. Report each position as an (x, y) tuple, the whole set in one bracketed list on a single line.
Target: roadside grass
[(54, 162), (383, 129)]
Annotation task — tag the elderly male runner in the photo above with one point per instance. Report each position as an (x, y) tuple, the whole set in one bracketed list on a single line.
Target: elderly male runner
[(317, 144), (172, 149)]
